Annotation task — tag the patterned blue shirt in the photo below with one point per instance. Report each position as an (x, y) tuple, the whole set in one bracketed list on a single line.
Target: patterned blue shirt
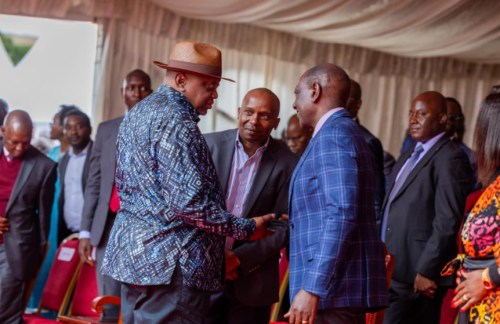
[(172, 210)]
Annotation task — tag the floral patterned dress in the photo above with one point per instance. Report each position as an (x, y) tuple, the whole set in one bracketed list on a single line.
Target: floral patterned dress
[(481, 239)]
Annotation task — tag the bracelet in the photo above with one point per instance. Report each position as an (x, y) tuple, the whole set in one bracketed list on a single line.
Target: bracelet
[(488, 284)]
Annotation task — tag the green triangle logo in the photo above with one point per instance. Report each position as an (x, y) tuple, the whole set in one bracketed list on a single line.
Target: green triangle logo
[(17, 46)]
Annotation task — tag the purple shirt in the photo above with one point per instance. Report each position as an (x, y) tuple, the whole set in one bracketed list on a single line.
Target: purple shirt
[(243, 169)]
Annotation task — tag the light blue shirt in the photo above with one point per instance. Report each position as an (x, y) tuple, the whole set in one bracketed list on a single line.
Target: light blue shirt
[(73, 189)]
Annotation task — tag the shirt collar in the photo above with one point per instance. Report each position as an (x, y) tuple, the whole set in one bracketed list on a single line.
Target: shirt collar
[(430, 143), (7, 155), (71, 153), (185, 105), (323, 119), (240, 145)]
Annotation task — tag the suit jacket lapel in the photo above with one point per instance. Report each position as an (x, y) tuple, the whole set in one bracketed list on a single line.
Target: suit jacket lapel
[(427, 157), (22, 177), (86, 167), (397, 168), (264, 170), (225, 158)]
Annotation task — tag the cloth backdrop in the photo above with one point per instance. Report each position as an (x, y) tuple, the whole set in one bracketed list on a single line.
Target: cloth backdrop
[(133, 33)]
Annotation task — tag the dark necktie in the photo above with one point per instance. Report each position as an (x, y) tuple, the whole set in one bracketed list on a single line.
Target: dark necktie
[(399, 183)]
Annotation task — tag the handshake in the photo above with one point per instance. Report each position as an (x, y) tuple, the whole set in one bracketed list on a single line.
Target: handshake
[(262, 230)]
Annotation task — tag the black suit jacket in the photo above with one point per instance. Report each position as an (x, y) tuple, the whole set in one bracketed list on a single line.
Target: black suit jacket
[(259, 283), (378, 158), (63, 230), (101, 181), (425, 215), (28, 212)]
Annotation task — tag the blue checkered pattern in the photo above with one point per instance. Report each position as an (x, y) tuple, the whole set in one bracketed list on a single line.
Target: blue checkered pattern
[(335, 249), (172, 209)]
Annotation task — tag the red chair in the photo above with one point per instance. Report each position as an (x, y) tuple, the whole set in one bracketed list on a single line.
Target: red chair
[(99, 302), (62, 278), (378, 317), (85, 292)]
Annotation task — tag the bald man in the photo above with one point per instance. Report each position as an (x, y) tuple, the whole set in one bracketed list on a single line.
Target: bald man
[(27, 179), (422, 213), (297, 138), (353, 105), (254, 171), (99, 210), (337, 264)]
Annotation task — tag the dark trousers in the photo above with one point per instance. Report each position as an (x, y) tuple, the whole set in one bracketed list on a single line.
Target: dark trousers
[(225, 308), (346, 315), (107, 285), (408, 307), (12, 293), (174, 303)]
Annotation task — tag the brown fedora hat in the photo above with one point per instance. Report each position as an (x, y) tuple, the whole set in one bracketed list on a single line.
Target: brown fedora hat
[(196, 57)]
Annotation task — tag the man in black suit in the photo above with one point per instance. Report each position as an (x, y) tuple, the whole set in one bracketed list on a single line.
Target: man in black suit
[(353, 105), (422, 213), (73, 171), (27, 179), (101, 200), (254, 171), (4, 109)]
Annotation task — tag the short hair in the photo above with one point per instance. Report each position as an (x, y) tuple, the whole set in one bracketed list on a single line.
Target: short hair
[(77, 112), (324, 74), (457, 103), (144, 74), (64, 110), (487, 136)]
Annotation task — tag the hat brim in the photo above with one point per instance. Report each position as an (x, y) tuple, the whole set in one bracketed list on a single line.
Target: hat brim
[(166, 67)]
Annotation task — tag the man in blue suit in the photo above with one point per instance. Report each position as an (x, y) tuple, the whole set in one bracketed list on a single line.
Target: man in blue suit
[(337, 264)]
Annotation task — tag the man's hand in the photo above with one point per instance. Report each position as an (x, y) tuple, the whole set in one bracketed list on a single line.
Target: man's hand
[(304, 308), (425, 285), (4, 225), (284, 218), (262, 231), (232, 261), (84, 250)]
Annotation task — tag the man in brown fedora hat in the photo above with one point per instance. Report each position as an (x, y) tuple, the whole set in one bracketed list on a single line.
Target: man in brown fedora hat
[(167, 242)]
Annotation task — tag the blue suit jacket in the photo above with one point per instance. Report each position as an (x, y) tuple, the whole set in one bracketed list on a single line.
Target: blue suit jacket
[(335, 249)]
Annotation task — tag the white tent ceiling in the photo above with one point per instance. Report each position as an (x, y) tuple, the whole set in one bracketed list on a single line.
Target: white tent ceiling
[(465, 29)]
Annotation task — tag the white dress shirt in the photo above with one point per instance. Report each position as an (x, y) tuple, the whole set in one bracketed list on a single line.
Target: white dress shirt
[(73, 189)]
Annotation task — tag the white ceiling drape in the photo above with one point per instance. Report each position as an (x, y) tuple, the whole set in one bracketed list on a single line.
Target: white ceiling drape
[(465, 29)]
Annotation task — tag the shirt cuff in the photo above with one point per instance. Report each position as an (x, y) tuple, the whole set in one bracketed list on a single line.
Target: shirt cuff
[(84, 235)]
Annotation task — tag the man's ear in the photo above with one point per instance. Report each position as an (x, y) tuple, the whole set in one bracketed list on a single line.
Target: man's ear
[(239, 110), (180, 81), (315, 91), (277, 123), (443, 118), (358, 105), (122, 92), (2, 130)]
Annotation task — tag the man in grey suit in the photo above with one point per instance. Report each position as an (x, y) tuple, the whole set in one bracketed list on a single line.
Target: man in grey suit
[(101, 201), (27, 179), (254, 171), (73, 171)]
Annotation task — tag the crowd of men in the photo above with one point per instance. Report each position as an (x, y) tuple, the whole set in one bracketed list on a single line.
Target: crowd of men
[(188, 228)]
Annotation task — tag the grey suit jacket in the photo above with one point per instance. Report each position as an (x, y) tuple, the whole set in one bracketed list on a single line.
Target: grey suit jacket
[(62, 230), (28, 212), (258, 284), (101, 180)]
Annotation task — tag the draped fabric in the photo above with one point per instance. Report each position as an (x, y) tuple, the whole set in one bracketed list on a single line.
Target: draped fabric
[(133, 33)]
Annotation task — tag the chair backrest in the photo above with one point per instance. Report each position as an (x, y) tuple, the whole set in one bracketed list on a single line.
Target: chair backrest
[(85, 292), (283, 269), (62, 277)]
